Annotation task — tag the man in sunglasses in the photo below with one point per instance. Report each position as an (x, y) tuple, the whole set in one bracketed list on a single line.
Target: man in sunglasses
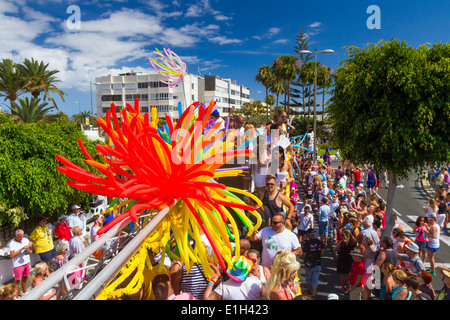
[(276, 238), (275, 201)]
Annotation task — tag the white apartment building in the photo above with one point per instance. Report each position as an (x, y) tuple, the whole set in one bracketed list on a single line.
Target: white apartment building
[(225, 92), (124, 88)]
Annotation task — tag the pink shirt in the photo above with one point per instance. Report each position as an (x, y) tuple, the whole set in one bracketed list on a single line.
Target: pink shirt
[(182, 296)]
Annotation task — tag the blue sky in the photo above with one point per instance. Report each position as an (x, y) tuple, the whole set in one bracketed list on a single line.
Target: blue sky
[(229, 38)]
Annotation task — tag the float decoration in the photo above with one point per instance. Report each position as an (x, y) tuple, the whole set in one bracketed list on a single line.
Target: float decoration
[(153, 170)]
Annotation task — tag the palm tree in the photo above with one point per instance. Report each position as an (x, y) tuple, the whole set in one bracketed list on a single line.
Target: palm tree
[(80, 118), (265, 77), (40, 80), (11, 81), (276, 88), (285, 67), (31, 110)]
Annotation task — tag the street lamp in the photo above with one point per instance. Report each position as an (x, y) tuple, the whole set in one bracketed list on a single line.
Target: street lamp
[(315, 90)]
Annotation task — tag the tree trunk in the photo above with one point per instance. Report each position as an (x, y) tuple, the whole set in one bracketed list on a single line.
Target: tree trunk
[(303, 105), (323, 102), (392, 177)]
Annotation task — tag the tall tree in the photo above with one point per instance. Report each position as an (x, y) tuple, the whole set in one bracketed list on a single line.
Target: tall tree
[(390, 107), (12, 82), (276, 88), (285, 68), (40, 80), (265, 77)]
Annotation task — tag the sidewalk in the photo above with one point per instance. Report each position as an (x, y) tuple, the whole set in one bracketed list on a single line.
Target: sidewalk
[(427, 187)]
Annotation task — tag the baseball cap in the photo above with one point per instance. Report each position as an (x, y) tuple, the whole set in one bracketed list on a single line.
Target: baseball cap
[(75, 206), (62, 217), (333, 296), (412, 246)]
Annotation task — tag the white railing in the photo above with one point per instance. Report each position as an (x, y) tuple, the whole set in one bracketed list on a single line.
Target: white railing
[(111, 267)]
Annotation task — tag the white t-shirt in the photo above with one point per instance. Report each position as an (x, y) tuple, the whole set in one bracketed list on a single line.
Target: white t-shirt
[(21, 259), (305, 221), (312, 174), (250, 289), (431, 212), (273, 242), (343, 181)]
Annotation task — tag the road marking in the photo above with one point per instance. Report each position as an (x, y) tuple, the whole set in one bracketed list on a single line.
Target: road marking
[(447, 265)]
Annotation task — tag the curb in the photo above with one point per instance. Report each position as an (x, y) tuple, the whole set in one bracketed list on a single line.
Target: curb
[(426, 189)]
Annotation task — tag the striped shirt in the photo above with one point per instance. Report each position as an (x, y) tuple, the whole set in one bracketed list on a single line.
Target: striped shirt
[(194, 282)]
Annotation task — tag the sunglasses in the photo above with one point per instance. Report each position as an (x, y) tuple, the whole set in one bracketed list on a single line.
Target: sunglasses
[(277, 222), (270, 184), (254, 260), (283, 117)]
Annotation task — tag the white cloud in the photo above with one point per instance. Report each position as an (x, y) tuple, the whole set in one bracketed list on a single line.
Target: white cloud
[(273, 31), (315, 24), (221, 40), (281, 41), (221, 17)]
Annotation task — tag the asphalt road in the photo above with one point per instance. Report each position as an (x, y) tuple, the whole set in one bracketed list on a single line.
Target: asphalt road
[(409, 200)]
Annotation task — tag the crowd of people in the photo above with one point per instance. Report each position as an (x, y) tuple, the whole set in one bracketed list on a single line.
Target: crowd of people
[(308, 207)]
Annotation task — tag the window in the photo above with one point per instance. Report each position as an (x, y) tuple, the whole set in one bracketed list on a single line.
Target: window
[(130, 85), (116, 86), (114, 97), (192, 86), (106, 86), (144, 97), (143, 85), (163, 108), (144, 109)]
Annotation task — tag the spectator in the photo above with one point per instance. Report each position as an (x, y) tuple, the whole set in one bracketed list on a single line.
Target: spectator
[(99, 220), (62, 230), (412, 264), (76, 244), (162, 289), (433, 233), (431, 209), (8, 292), (444, 293), (262, 166), (244, 245), (249, 289), (262, 273), (37, 276), (356, 278), (344, 259), (194, 281), (74, 219), (368, 231), (427, 286), (368, 259), (412, 284), (306, 221), (313, 251), (386, 254), (20, 254), (57, 262), (421, 237), (276, 238), (284, 175), (42, 241), (280, 285), (324, 212), (388, 282), (399, 291), (441, 216)]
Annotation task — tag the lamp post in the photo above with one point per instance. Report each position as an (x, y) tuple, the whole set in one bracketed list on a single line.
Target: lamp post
[(315, 91), (79, 110)]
